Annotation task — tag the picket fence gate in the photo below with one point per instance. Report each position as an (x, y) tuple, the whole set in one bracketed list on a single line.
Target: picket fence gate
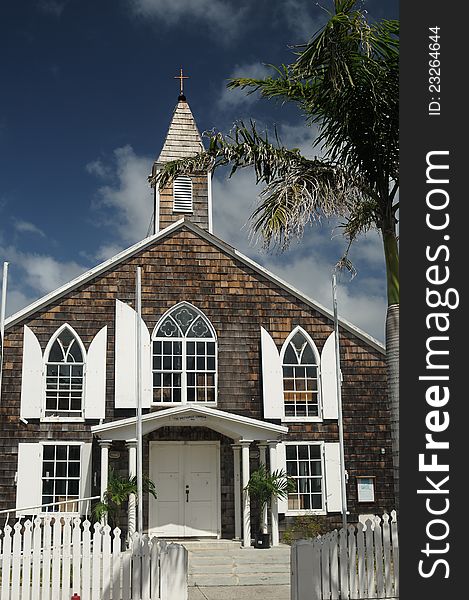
[(357, 563), (52, 559)]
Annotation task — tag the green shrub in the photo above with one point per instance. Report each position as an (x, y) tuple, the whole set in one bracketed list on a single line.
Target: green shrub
[(305, 527)]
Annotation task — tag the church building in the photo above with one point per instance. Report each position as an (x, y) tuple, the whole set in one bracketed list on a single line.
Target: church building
[(238, 368)]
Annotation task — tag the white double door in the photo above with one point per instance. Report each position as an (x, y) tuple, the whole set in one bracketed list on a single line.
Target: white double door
[(186, 476)]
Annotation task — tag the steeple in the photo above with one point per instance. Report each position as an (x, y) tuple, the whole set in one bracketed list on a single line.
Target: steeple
[(188, 195)]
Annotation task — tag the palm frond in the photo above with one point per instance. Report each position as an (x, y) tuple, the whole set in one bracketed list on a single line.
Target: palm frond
[(345, 79), (243, 147), (312, 190), (118, 491), (264, 485)]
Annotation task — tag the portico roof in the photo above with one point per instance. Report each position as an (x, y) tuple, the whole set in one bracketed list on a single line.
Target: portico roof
[(232, 425)]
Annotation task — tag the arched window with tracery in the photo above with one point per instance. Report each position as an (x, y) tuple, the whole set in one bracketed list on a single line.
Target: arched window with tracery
[(184, 357), (64, 366), (300, 363)]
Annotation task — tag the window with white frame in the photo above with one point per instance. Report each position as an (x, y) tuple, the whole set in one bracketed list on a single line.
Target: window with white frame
[(182, 194), (304, 464), (300, 363), (65, 363), (61, 477), (184, 357)]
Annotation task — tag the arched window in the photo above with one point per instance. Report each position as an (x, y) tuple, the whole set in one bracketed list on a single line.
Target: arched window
[(184, 357), (182, 194), (65, 363), (300, 362)]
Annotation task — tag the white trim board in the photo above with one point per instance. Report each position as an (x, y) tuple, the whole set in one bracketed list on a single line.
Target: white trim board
[(91, 274), (209, 237), (232, 425)]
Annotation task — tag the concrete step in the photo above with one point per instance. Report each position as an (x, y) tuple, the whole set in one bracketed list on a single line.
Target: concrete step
[(240, 592), (228, 564), (210, 545), (220, 580), (225, 559), (266, 579), (237, 569)]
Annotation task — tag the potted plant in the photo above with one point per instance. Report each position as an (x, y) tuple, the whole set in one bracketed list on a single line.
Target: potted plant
[(265, 486), (118, 491)]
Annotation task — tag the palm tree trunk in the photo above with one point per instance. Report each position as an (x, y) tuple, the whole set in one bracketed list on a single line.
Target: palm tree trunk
[(391, 252)]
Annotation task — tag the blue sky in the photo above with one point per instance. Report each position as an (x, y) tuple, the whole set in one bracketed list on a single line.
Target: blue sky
[(88, 91)]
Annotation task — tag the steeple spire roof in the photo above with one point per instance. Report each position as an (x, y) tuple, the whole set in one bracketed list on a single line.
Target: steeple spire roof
[(183, 138)]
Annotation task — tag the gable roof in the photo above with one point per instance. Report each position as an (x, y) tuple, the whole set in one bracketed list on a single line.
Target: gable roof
[(211, 239), (237, 427)]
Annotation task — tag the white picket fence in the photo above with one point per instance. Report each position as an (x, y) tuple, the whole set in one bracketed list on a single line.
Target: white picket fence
[(357, 563), (54, 559)]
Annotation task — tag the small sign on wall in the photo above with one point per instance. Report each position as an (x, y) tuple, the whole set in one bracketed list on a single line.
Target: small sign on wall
[(366, 489)]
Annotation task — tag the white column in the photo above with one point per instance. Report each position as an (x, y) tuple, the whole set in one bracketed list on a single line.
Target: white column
[(105, 445), (132, 514), (246, 500), (262, 460), (237, 489), (274, 502), (262, 453)]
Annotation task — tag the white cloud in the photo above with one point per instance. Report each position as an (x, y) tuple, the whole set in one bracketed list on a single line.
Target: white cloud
[(223, 16), (126, 205), (235, 98), (233, 202), (307, 265), (369, 249), (359, 301), (236, 198), (16, 300), (98, 168), (32, 275), (300, 136), (43, 273), (27, 227), (299, 19)]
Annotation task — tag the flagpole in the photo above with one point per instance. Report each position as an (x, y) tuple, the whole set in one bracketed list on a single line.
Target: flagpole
[(138, 297), (339, 404), (2, 318)]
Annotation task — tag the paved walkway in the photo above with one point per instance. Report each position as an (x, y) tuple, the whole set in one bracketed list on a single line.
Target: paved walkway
[(240, 592)]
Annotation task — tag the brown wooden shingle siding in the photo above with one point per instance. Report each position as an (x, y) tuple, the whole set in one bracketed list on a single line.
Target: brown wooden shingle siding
[(238, 301), (199, 215)]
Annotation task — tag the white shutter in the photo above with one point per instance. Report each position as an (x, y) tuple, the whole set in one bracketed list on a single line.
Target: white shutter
[(330, 408), (147, 373), (333, 479), (31, 377), (29, 484), (182, 194), (126, 359), (282, 466), (272, 378), (95, 378), (85, 477)]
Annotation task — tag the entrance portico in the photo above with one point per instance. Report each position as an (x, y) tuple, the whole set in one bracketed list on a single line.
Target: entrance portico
[(242, 430)]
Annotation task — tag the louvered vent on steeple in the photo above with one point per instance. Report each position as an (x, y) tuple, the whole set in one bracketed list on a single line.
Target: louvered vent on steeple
[(182, 194)]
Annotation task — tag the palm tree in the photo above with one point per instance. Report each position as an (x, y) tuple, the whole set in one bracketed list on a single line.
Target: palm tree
[(345, 80), (266, 486), (119, 490)]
